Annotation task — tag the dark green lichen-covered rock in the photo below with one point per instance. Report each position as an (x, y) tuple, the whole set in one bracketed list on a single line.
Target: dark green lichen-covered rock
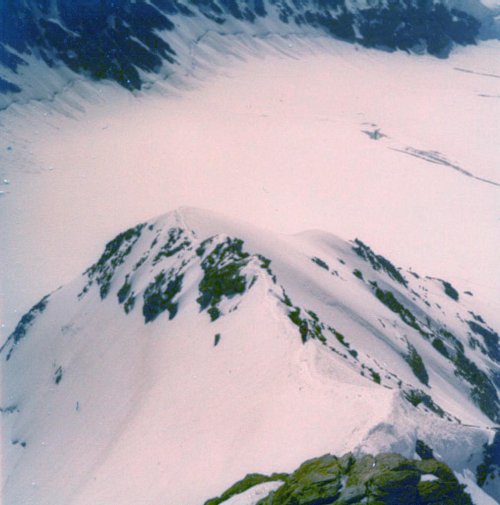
[(489, 468), (310, 327), (357, 273), (159, 295), (417, 397), (223, 275), (483, 392), (126, 296), (24, 324), (440, 347), (423, 450), (378, 262), (114, 255), (443, 488), (316, 481), (490, 337), (417, 365), (251, 480), (124, 291), (386, 479), (450, 290), (394, 487), (392, 303), (320, 263), (176, 242)]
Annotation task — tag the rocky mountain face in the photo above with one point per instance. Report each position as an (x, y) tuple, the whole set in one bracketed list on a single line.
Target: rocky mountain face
[(192, 331), (125, 41)]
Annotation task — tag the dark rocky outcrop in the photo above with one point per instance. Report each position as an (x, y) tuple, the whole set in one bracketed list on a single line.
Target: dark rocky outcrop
[(386, 479)]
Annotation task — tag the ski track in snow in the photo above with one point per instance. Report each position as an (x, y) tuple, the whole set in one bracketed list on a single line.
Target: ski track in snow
[(484, 74), (439, 159)]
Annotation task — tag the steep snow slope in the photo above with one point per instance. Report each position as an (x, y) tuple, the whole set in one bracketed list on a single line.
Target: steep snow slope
[(280, 139), (196, 349), (134, 42)]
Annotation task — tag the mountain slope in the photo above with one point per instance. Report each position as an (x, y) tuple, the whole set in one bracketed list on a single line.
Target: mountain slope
[(132, 42), (197, 349)]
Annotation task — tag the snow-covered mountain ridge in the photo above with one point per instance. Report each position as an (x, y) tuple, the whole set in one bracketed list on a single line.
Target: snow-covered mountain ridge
[(193, 331), (131, 42)]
